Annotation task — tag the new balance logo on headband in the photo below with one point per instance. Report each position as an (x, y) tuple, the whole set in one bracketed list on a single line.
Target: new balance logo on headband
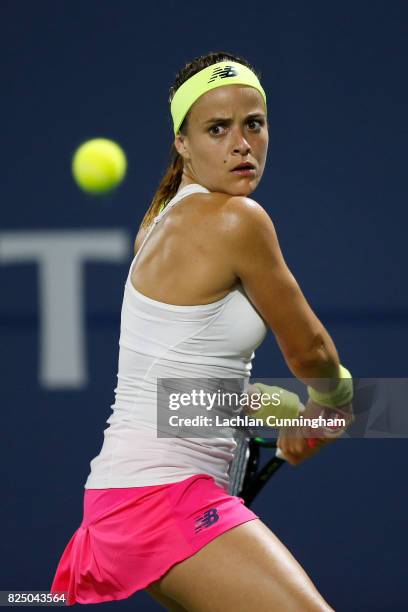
[(223, 73), (206, 520)]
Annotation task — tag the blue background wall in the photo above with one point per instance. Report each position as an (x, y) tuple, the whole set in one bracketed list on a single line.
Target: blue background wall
[(335, 186)]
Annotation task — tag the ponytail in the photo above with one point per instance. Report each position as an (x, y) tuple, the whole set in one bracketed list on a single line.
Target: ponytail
[(167, 188)]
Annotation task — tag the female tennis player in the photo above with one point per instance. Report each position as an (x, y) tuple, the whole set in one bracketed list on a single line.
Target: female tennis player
[(207, 282)]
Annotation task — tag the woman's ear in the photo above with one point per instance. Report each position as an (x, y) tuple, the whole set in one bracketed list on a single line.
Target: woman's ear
[(181, 146)]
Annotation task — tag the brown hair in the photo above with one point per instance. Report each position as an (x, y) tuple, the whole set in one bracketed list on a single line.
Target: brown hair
[(171, 179)]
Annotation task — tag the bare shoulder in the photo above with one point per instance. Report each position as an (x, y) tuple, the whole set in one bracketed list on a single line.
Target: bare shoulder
[(223, 218), (245, 223), (243, 205)]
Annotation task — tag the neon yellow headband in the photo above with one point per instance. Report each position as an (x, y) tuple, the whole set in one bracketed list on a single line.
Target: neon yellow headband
[(216, 75)]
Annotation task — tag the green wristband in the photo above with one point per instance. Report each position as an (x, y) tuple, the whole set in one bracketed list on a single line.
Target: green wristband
[(288, 406), (341, 395)]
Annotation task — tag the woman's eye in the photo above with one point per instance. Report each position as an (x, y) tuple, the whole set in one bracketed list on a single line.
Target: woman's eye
[(213, 127), (259, 121)]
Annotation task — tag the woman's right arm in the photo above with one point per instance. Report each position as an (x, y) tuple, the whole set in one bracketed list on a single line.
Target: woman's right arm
[(254, 253)]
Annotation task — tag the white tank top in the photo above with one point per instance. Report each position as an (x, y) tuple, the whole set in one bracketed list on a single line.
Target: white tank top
[(159, 340)]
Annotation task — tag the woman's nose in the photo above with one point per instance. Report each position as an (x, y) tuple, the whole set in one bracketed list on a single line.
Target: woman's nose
[(242, 146)]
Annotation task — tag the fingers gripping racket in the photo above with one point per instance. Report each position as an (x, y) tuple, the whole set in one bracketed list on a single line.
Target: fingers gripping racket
[(246, 478)]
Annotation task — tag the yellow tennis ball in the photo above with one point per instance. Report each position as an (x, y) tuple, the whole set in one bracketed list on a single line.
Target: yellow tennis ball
[(99, 165)]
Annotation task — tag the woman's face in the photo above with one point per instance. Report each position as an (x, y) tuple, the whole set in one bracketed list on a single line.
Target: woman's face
[(212, 148)]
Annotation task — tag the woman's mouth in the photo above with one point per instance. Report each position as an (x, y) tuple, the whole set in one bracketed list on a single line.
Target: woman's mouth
[(244, 171)]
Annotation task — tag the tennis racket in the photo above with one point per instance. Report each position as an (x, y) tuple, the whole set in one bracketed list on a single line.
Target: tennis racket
[(247, 479)]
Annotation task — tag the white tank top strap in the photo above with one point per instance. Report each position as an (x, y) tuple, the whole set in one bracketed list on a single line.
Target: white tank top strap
[(182, 193)]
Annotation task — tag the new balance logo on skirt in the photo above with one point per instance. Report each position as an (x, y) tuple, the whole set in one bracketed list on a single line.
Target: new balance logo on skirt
[(206, 520)]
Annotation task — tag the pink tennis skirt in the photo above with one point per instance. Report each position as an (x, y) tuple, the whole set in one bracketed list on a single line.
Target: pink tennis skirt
[(130, 537)]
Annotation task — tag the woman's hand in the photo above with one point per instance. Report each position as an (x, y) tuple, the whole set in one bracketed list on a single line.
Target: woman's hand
[(299, 443)]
